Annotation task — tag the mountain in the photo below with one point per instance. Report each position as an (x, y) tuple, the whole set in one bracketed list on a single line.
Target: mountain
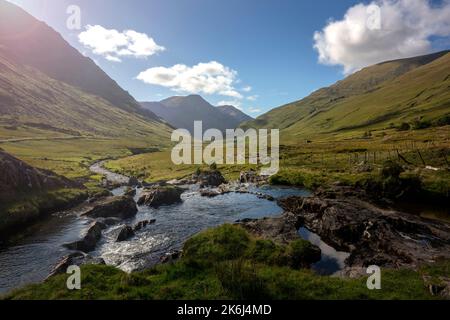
[(181, 112), (379, 96), (48, 87), (235, 113)]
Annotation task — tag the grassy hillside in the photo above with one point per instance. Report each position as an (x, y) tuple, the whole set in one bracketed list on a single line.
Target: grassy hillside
[(35, 105), (31, 42), (377, 97)]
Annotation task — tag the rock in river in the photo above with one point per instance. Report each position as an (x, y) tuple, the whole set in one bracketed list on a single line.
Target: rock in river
[(159, 196), (125, 233), (122, 207), (90, 239), (211, 178)]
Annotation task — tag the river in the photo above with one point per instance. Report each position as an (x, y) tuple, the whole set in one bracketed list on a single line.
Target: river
[(31, 259)]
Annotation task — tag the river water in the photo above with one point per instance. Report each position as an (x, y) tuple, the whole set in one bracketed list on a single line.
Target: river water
[(31, 259)]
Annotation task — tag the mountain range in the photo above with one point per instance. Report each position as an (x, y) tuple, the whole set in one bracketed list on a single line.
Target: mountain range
[(181, 112), (380, 96)]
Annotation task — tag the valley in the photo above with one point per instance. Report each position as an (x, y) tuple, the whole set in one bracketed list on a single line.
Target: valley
[(87, 179)]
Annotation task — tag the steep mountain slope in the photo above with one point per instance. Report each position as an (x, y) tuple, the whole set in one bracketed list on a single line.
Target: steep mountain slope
[(33, 104), (235, 113), (31, 42), (375, 97), (181, 112), (48, 89)]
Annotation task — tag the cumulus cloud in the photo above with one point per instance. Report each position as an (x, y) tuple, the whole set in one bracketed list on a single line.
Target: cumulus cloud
[(253, 98), (254, 110), (203, 78), (247, 89), (113, 44), (404, 29)]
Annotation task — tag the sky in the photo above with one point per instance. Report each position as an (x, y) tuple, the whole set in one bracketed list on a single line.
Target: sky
[(254, 54)]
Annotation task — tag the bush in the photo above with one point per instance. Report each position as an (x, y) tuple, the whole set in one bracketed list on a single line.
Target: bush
[(404, 127), (391, 170), (441, 122), (420, 124), (213, 166)]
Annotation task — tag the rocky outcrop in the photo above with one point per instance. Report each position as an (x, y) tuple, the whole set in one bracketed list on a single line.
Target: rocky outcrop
[(125, 233), (122, 207), (89, 240), (19, 178), (252, 177), (77, 259), (372, 235), (160, 196), (211, 178), (283, 229)]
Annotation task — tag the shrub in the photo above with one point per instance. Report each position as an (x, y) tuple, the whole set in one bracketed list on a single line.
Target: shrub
[(404, 127), (420, 124), (443, 121), (391, 170)]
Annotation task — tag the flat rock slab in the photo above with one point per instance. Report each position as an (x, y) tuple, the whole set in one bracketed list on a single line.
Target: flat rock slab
[(372, 235)]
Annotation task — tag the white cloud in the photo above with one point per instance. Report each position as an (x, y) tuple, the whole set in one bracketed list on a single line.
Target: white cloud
[(113, 44), (253, 98), (247, 89), (254, 110), (405, 29), (203, 78)]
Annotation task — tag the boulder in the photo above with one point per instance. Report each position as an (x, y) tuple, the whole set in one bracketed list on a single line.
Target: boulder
[(209, 193), (160, 196), (142, 224), (211, 178), (90, 239), (130, 192), (122, 207), (125, 233), (133, 182), (282, 230), (251, 177)]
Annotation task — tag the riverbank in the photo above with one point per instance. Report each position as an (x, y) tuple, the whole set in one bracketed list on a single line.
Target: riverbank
[(268, 249), (228, 263)]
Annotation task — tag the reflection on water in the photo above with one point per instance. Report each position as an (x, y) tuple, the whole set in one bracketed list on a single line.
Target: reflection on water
[(332, 261), (176, 223), (33, 257)]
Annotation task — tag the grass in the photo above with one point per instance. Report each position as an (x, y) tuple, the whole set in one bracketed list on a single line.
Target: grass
[(228, 263), (25, 209)]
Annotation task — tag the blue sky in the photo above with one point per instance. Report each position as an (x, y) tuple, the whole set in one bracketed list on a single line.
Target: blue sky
[(267, 45)]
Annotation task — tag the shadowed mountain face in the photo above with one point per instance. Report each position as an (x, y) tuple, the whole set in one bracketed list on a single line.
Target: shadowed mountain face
[(30, 42), (235, 113), (181, 112), (375, 97), (47, 88)]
